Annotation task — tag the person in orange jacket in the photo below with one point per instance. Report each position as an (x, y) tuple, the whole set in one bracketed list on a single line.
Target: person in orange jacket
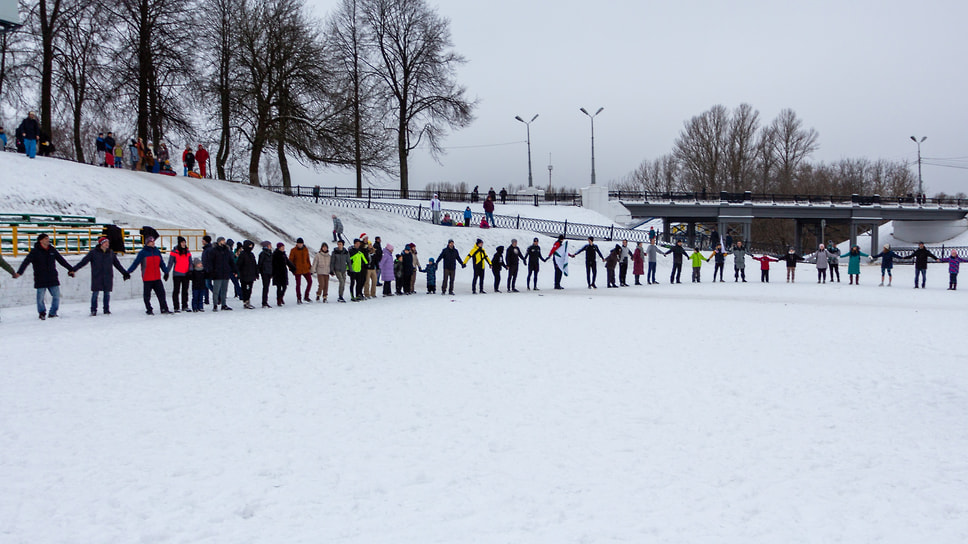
[(299, 256)]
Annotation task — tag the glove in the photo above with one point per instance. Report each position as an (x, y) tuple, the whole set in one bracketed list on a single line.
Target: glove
[(126, 276), (70, 273), (166, 277)]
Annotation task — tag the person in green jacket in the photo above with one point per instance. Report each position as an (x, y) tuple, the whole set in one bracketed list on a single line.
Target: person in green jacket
[(697, 260), (358, 261), (853, 264)]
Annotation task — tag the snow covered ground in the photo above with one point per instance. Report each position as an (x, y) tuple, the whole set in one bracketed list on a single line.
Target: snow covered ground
[(724, 412)]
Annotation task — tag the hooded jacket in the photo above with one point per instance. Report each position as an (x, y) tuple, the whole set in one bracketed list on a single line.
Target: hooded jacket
[(321, 263), (223, 263), (265, 263), (479, 257), (386, 264), (340, 260), (247, 266)]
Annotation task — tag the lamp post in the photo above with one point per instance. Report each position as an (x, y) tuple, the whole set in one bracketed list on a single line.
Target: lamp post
[(592, 117), (528, 124), (920, 182)]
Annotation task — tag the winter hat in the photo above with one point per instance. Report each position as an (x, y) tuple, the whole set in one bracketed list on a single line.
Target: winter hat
[(197, 261), (102, 239), (280, 244), (823, 246), (300, 241), (430, 260), (536, 239), (220, 239), (479, 241), (230, 242), (181, 239), (390, 248), (830, 243), (266, 243), (514, 240), (207, 239), (362, 236), (451, 241)]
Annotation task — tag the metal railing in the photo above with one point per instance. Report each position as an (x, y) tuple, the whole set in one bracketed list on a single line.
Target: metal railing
[(446, 196), (18, 240), (771, 198)]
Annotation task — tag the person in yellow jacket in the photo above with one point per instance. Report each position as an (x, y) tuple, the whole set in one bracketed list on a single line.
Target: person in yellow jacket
[(479, 257), (358, 261), (697, 260)]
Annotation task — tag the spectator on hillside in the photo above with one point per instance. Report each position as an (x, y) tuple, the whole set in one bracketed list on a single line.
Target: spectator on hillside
[(467, 216), (201, 156), (29, 131), (474, 195), (3, 139), (435, 209), (162, 153), (102, 275), (337, 230), (45, 147), (504, 195), (141, 152), (109, 157), (491, 194), (133, 155), (99, 149), (489, 209), (44, 259), (188, 159)]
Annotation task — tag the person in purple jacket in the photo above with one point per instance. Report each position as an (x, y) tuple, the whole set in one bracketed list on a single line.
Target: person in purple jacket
[(386, 270), (954, 264)]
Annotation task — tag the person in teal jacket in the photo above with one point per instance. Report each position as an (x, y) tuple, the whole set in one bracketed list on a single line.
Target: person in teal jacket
[(853, 264)]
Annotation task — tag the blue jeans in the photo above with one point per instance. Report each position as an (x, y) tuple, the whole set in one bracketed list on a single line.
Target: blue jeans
[(30, 146), (650, 276), (54, 303), (107, 300), (490, 218), (923, 272)]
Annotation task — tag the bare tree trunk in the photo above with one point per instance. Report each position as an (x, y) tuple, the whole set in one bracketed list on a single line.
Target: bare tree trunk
[(254, 159), (78, 147), (284, 166), (403, 151)]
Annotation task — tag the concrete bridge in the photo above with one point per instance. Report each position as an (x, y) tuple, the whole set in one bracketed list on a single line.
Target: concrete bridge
[(731, 210)]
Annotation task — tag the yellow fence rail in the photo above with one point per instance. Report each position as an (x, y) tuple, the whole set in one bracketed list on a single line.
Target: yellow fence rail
[(18, 240)]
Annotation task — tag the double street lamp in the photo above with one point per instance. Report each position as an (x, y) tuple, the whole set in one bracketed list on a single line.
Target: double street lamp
[(528, 124), (592, 117), (920, 182)]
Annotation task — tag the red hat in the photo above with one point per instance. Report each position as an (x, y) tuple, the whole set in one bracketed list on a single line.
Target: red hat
[(102, 239), (280, 244)]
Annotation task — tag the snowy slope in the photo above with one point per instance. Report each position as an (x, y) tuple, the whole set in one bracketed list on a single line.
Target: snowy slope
[(712, 412)]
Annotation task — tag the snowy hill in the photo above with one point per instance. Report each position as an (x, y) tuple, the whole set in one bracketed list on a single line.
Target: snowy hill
[(708, 412)]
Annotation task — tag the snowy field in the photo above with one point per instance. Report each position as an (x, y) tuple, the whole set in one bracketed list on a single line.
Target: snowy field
[(690, 413)]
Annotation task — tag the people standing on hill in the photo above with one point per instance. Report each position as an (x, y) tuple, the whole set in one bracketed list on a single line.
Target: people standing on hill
[(954, 264), (142, 153), (337, 229), (591, 264), (339, 265), (386, 270), (223, 269), (513, 258), (201, 157), (248, 268), (697, 260), (853, 264), (281, 267), (133, 155), (109, 143), (3, 142), (497, 263), (180, 265), (833, 260), (299, 255), (887, 257), (791, 259), (478, 258), (188, 159), (99, 150), (435, 210), (739, 262), (265, 271), (489, 211), (163, 155), (623, 263), (467, 216), (638, 263), (920, 257), (449, 258), (533, 259), (765, 261), (102, 260), (29, 132), (152, 267), (719, 262), (678, 254), (322, 267)]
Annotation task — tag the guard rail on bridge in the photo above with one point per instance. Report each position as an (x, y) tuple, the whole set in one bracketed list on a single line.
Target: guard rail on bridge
[(771, 198), (446, 196)]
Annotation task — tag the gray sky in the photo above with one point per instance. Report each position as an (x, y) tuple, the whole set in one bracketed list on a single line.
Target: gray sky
[(866, 75)]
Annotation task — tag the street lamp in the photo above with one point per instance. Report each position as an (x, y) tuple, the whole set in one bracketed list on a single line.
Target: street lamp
[(592, 117), (528, 124), (920, 182)]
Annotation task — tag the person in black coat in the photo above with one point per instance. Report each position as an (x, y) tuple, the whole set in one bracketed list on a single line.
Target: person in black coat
[(265, 271), (920, 257), (281, 267), (102, 275), (28, 132), (223, 269), (207, 248), (44, 259), (199, 290), (497, 263), (678, 254), (591, 268), (533, 257), (448, 259), (513, 258), (248, 272)]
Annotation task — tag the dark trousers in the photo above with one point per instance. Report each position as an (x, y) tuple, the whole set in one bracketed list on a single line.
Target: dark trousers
[(208, 289), (532, 272), (180, 287), (718, 267), (591, 272), (765, 276), (266, 282), (238, 288), (739, 272), (280, 293), (478, 279), (834, 271), (923, 272), (697, 274), (406, 279), (623, 271), (650, 275), (676, 272), (610, 274), (822, 275), (558, 275), (388, 287), (158, 287), (246, 291), (952, 283), (360, 280), (449, 274), (198, 300), (107, 300), (497, 278), (512, 277)]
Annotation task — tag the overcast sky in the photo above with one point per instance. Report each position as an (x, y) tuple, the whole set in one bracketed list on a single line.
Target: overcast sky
[(866, 75)]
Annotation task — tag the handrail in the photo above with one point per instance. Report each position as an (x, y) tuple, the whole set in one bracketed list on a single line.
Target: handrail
[(19, 240), (718, 198), (395, 194)]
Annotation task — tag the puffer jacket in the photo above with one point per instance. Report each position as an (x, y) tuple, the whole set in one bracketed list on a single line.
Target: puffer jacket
[(386, 264), (321, 263), (247, 265), (44, 262), (479, 257), (340, 260)]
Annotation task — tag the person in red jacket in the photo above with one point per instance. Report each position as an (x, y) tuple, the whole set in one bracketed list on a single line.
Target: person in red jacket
[(152, 267), (201, 155), (765, 261), (180, 266)]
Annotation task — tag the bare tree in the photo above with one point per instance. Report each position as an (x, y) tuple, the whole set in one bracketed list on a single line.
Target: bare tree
[(415, 61), (46, 19), (791, 145), (701, 148), (14, 66), (740, 160), (77, 65), (217, 48)]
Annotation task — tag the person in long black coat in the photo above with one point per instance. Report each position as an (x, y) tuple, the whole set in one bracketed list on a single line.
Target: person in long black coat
[(44, 259), (102, 260), (248, 272), (265, 271), (281, 267)]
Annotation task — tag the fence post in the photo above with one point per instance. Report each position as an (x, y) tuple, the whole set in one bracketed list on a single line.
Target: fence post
[(419, 211), (15, 242), (536, 200), (518, 224), (565, 234), (369, 192), (611, 233)]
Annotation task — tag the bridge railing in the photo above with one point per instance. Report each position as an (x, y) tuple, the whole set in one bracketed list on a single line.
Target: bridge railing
[(772, 198), (372, 193)]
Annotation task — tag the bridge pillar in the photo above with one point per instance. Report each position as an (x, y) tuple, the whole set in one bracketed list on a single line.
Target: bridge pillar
[(797, 227), (875, 239), (666, 230), (853, 234), (691, 233)]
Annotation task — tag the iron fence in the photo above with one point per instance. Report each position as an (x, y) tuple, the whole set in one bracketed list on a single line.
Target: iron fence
[(771, 198), (446, 196)]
